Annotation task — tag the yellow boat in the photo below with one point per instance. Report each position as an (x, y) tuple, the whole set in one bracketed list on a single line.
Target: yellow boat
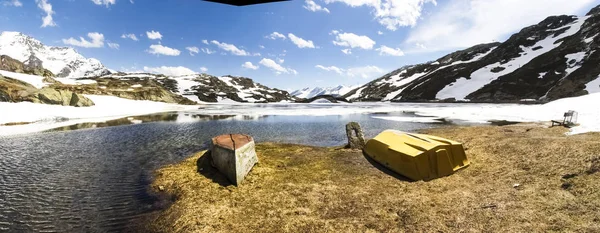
[(417, 156)]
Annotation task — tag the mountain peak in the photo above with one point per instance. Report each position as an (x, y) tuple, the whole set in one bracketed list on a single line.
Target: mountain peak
[(64, 61), (594, 11), (315, 91)]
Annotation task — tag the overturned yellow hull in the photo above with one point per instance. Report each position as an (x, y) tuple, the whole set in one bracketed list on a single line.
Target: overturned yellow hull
[(417, 156)]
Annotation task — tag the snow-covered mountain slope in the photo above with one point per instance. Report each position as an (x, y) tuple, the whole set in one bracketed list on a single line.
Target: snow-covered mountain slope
[(208, 88), (308, 92), (63, 62), (554, 59)]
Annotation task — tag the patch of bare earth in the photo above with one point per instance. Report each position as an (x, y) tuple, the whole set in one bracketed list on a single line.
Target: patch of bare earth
[(522, 178)]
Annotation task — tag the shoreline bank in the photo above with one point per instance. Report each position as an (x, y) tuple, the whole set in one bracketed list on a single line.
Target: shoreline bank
[(522, 177)]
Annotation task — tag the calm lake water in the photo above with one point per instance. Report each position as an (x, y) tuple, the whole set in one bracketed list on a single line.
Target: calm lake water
[(96, 179)]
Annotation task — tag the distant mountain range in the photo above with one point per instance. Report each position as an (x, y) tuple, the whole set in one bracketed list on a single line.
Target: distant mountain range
[(307, 93), (553, 59), (63, 69)]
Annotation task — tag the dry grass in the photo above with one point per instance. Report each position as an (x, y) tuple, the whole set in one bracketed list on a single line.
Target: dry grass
[(309, 189)]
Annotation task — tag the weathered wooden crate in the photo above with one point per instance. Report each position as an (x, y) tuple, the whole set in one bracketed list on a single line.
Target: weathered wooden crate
[(234, 156)]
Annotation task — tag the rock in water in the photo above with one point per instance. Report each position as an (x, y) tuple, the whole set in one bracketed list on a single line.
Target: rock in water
[(234, 156), (356, 140)]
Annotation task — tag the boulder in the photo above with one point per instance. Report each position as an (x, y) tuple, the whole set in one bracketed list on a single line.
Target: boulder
[(49, 95), (78, 100), (356, 140), (234, 156)]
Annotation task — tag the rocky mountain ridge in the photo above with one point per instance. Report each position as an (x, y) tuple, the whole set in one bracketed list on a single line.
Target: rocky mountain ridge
[(63, 62), (553, 59), (212, 89)]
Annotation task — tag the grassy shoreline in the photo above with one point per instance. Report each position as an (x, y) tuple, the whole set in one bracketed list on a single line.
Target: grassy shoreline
[(522, 177)]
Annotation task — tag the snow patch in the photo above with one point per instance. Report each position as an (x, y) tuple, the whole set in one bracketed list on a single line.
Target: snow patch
[(69, 81), (593, 86), (321, 101), (590, 39), (34, 80), (573, 62), (463, 87), (45, 116), (357, 94), (409, 119)]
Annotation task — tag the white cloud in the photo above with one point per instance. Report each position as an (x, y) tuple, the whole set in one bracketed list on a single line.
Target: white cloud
[(159, 49), (393, 13), (154, 35), (203, 69), (113, 45), (104, 2), (130, 36), (261, 46), (384, 50), (312, 6), (338, 70), (231, 48), (276, 67), (47, 21), (169, 70), (275, 36), (97, 41), (347, 51), (301, 43), (353, 41), (15, 3), (249, 65), (364, 71), (379, 33), (207, 51), (464, 23), (193, 50), (280, 61)]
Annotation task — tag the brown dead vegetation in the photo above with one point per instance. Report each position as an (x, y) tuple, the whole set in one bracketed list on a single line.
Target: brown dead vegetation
[(522, 178)]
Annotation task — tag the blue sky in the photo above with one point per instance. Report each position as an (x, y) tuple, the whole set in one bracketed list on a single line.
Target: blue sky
[(380, 35)]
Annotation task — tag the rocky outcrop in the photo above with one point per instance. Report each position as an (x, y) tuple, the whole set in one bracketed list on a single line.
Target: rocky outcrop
[(31, 66), (12, 90), (553, 59), (9, 64), (48, 95), (135, 88), (34, 65), (208, 88)]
